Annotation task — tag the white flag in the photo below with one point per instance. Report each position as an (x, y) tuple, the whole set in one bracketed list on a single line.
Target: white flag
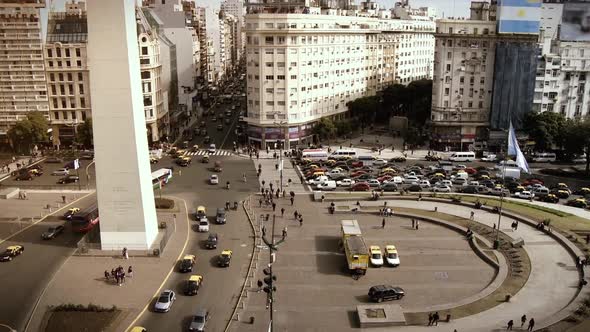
[(514, 150), (76, 164)]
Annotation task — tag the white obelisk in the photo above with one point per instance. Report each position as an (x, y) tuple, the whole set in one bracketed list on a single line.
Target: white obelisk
[(123, 176)]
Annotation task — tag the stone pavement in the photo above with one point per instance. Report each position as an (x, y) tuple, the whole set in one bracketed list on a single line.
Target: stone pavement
[(552, 284), (81, 279), (271, 175)]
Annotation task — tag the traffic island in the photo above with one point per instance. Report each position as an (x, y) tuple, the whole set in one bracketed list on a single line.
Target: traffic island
[(380, 315)]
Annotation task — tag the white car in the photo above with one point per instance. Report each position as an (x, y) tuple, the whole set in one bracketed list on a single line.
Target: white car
[(374, 183), (391, 256), (203, 225), (212, 148), (334, 172), (490, 158), (379, 162), (474, 183), (61, 172), (410, 179), (165, 301), (460, 167), (397, 180), (444, 183), (442, 189), (345, 183), (525, 194), (318, 180), (214, 179), (424, 184), (376, 256)]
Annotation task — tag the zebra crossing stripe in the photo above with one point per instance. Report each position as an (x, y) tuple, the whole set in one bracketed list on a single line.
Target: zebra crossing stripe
[(206, 153)]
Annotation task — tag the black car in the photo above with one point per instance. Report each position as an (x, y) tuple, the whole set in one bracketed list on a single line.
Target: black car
[(52, 232), (211, 242), (25, 176), (186, 265), (382, 293), (69, 179), (414, 188), (390, 186), (488, 183), (207, 140), (399, 159), (469, 190), (363, 177)]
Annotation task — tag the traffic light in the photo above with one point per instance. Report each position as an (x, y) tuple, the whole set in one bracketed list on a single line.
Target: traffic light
[(268, 280)]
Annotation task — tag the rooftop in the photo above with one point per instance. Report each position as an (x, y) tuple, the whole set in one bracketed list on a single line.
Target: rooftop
[(65, 28)]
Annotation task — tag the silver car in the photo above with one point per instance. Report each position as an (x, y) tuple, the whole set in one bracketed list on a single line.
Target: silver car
[(199, 320), (165, 301), (61, 172)]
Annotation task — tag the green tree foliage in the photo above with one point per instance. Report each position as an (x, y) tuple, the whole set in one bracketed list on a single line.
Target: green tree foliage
[(364, 109), (546, 129), (576, 139), (85, 136), (412, 101), (29, 131), (343, 127), (325, 128)]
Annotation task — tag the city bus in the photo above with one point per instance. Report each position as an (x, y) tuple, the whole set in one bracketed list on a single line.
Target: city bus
[(314, 154), (161, 176), (86, 219)]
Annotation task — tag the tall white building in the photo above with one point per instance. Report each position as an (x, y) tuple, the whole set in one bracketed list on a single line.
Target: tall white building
[(67, 72), (23, 87), (237, 10), (305, 63)]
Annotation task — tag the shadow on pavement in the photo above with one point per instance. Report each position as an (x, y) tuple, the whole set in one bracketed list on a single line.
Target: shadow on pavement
[(353, 319)]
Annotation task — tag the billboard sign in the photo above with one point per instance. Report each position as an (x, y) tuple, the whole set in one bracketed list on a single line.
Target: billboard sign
[(575, 21), (519, 16)]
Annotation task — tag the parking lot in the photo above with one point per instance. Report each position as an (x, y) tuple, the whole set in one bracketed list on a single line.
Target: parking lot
[(50, 181), (316, 292), (396, 175)]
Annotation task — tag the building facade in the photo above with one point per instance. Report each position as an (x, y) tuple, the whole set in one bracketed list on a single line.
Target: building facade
[(67, 73), (463, 82), (303, 67), (237, 9), (23, 87)]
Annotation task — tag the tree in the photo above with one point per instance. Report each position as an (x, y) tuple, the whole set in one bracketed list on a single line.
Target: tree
[(546, 129), (413, 101), (343, 127), (364, 109), (85, 136), (576, 139), (324, 129), (29, 131)]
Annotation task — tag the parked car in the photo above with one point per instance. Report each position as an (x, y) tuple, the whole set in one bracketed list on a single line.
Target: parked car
[(379, 162), (52, 232), (374, 183), (212, 240), (410, 179), (69, 179), (361, 186), (382, 293), (165, 301), (376, 256), (345, 183), (414, 188), (25, 176), (578, 202), (389, 186), (199, 320), (525, 194), (61, 171), (391, 256), (442, 189), (490, 158), (550, 198)]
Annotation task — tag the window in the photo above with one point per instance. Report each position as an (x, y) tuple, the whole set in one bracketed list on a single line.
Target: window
[(79, 63), (61, 77), (482, 80), (70, 78), (281, 103), (281, 64), (67, 52), (58, 52), (280, 77), (461, 79), (145, 75), (83, 116), (447, 91), (449, 55), (82, 103), (269, 90), (53, 90), (293, 77), (269, 51), (52, 77), (270, 77), (81, 88), (56, 114), (73, 103), (269, 40), (270, 103), (448, 67), (62, 89), (80, 77), (269, 64), (78, 52), (49, 53)]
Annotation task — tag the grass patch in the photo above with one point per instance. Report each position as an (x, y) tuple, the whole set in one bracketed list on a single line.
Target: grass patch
[(80, 321)]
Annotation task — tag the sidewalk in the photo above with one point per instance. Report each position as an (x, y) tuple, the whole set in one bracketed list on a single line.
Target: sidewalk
[(270, 174), (81, 279)]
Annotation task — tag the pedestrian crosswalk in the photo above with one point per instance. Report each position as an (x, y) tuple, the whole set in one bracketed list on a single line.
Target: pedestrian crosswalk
[(206, 153)]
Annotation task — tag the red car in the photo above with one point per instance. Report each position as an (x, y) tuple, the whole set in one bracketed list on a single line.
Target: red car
[(470, 170), (356, 164), (530, 182), (357, 173), (384, 178), (361, 186)]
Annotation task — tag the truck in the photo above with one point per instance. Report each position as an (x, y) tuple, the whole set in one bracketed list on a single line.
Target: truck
[(355, 248)]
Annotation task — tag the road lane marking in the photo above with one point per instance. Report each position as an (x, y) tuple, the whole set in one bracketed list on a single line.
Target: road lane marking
[(188, 224), (43, 218)]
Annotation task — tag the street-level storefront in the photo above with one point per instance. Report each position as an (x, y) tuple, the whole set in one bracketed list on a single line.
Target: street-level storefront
[(273, 137)]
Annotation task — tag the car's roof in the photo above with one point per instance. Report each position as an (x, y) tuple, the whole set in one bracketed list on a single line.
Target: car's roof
[(220, 209), (14, 247), (189, 257), (195, 278), (213, 235), (226, 252), (201, 312), (167, 291), (390, 248), (200, 208), (375, 248)]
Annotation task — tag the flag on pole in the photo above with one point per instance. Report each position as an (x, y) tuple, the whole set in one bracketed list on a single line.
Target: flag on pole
[(76, 163), (514, 150)]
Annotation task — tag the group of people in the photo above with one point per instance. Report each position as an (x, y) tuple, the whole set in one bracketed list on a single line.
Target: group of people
[(523, 320), (433, 319), (118, 274)]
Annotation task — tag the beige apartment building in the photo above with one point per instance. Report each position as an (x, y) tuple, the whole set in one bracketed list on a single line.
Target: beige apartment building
[(23, 87)]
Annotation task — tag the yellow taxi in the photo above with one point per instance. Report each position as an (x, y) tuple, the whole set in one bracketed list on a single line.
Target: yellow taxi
[(193, 284), (391, 256), (484, 177), (11, 252), (187, 263), (376, 256), (200, 213), (225, 258), (388, 170), (138, 329), (184, 161)]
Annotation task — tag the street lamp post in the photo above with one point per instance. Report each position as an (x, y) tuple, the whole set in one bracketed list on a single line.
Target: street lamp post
[(286, 134)]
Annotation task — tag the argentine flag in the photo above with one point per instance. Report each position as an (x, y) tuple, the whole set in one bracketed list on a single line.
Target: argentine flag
[(519, 16), (514, 150)]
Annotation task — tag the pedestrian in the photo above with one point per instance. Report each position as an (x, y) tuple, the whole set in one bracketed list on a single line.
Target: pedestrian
[(413, 223), (260, 201), (244, 177), (295, 214), (285, 232), (300, 221), (113, 273), (106, 275), (25, 194), (417, 224), (63, 198), (263, 182), (472, 215), (383, 223), (522, 321), (510, 323), (435, 318), (278, 193), (512, 226), (130, 271), (179, 172), (516, 225), (274, 206), (125, 253), (292, 200), (323, 197), (282, 212), (270, 185), (531, 324), (429, 319), (122, 276)]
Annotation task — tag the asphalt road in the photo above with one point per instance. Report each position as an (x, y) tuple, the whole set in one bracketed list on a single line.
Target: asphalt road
[(220, 285), (48, 181), (24, 278)]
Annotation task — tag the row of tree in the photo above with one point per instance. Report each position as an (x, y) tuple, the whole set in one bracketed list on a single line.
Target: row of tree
[(33, 130), (552, 131)]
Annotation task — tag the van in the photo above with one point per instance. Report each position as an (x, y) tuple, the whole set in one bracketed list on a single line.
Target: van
[(327, 185), (344, 152), (366, 160), (462, 156), (544, 157)]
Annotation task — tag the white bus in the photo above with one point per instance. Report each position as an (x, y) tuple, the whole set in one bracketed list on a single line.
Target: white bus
[(544, 157), (314, 154), (462, 156), (344, 152), (161, 177)]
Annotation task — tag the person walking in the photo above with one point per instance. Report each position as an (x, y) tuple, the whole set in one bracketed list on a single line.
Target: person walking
[(516, 225), (383, 223), (435, 318), (274, 206), (244, 177), (413, 223), (63, 198), (510, 324), (522, 321), (300, 221), (472, 215), (295, 214), (130, 271), (292, 200), (106, 275), (430, 319), (285, 232), (531, 324), (417, 224), (125, 253), (260, 201), (282, 212)]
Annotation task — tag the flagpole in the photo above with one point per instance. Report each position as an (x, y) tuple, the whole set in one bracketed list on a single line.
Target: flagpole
[(497, 241)]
